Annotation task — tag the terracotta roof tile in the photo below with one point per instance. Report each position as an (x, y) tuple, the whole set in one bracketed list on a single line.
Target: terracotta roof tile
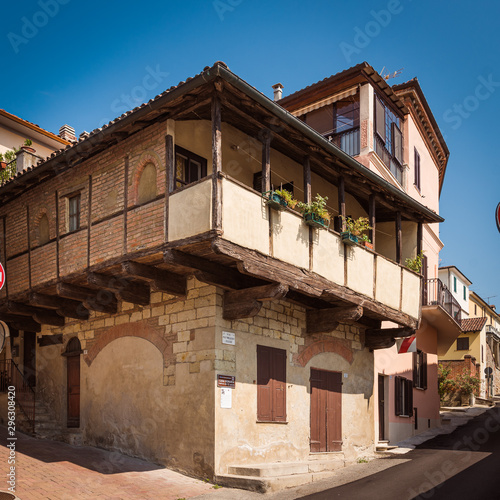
[(472, 324)]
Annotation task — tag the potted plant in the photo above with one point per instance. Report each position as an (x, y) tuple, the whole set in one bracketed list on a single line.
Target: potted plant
[(416, 263), (315, 213), (365, 241), (27, 146), (354, 230), (3, 164), (280, 199)]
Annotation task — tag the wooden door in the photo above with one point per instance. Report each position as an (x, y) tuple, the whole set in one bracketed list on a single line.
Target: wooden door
[(326, 411), (381, 408), (73, 378), (29, 358)]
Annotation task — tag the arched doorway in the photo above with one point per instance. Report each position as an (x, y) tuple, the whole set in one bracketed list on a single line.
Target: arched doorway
[(72, 354)]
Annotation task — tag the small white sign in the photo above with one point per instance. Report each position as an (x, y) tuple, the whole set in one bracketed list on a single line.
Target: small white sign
[(226, 397), (228, 338), (345, 375)]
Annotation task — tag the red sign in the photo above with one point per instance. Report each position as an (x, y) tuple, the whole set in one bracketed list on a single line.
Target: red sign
[(497, 216), (408, 344), (2, 276)]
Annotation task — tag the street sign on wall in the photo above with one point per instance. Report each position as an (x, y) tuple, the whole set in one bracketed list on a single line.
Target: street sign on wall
[(2, 276)]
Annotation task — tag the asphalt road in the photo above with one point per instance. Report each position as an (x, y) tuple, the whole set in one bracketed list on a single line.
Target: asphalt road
[(462, 465)]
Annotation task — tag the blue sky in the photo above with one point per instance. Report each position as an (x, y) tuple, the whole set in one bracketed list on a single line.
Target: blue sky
[(84, 63)]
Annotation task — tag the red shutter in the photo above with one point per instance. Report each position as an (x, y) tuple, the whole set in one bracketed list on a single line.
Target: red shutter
[(380, 119), (397, 143), (264, 382), (279, 385), (397, 395)]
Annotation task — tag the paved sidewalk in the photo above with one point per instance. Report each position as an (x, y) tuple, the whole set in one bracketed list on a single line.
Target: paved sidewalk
[(57, 471)]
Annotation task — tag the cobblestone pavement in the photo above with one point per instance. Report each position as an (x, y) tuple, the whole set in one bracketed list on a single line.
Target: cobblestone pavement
[(57, 471)]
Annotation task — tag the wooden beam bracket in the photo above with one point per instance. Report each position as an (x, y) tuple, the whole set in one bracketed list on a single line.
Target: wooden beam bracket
[(326, 320)]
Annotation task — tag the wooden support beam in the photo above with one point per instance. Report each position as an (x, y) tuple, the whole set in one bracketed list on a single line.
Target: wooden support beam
[(123, 289), (380, 338), (216, 163), (326, 320), (246, 303), (19, 322), (95, 300), (210, 272), (159, 279), (47, 340), (399, 239), (372, 218), (65, 307), (307, 180), (42, 316), (419, 238), (341, 193), (266, 161)]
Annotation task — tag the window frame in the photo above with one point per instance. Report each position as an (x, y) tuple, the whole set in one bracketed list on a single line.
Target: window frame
[(76, 215), (190, 157), (271, 395), (416, 167), (403, 397), (420, 370), (464, 340)]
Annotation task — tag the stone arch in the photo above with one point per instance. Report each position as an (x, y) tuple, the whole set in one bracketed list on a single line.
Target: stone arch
[(147, 160), (41, 226), (337, 346), (140, 330)]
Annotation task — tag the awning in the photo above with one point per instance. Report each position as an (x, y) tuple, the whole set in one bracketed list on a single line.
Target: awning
[(326, 101)]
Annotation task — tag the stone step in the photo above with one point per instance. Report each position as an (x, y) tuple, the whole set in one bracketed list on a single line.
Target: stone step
[(267, 484), (278, 469), (381, 449)]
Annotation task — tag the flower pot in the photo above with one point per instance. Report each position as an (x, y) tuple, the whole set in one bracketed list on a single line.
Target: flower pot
[(3, 165), (315, 221), (367, 244), (29, 149), (349, 238), (275, 201)]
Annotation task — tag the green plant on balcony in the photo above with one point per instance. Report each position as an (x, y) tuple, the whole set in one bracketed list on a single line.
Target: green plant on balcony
[(355, 230), (279, 199), (416, 263), (315, 213), (8, 164)]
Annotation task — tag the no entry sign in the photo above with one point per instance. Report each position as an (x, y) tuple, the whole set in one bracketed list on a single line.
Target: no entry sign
[(2, 276), (497, 216)]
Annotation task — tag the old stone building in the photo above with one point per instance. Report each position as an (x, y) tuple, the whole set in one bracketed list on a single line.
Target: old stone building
[(182, 319)]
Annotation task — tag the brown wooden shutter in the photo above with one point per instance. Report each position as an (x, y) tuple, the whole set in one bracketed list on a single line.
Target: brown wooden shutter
[(278, 375), (334, 411), (380, 119), (397, 143), (264, 382), (397, 395), (424, 370), (415, 371), (409, 398), (316, 410)]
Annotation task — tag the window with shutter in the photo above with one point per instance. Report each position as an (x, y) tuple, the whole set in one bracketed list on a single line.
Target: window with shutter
[(271, 384), (420, 370), (397, 143), (403, 393), (380, 119), (417, 169)]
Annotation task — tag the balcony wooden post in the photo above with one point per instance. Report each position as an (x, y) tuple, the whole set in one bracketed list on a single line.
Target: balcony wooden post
[(266, 161), (216, 163), (307, 180), (341, 190), (372, 218), (169, 177), (125, 203), (419, 238), (399, 242)]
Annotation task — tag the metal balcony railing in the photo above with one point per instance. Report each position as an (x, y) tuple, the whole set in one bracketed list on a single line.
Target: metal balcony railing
[(435, 292), (347, 141), (12, 380)]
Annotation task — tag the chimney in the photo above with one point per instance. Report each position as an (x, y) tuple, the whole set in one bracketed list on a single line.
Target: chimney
[(25, 158), (67, 133), (83, 135), (278, 91)]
